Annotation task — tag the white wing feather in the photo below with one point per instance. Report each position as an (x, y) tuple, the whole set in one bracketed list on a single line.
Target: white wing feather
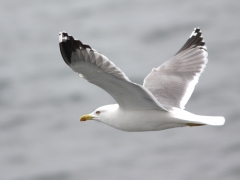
[(173, 82), (97, 69)]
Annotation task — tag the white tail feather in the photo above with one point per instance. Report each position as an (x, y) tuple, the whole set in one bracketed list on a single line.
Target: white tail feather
[(191, 119), (210, 120)]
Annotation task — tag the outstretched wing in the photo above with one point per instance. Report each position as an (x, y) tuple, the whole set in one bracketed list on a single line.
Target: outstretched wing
[(173, 82), (97, 69)]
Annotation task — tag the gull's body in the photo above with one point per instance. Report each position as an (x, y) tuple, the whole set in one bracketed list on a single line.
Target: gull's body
[(151, 120), (159, 103)]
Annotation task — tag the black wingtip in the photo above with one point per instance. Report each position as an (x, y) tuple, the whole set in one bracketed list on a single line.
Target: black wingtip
[(195, 40), (68, 45)]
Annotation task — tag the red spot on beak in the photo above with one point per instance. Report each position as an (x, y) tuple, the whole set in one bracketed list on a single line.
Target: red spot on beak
[(83, 119)]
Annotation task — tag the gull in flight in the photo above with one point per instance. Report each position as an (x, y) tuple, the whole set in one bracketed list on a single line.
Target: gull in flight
[(156, 105)]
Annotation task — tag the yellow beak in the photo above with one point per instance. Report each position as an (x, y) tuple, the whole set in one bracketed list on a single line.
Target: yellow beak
[(86, 117)]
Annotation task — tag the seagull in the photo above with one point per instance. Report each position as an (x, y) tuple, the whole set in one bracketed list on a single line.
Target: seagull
[(156, 105)]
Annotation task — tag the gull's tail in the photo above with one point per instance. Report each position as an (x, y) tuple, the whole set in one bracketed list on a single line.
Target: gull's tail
[(208, 120), (197, 120)]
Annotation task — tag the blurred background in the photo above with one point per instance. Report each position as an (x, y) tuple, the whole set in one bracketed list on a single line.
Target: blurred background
[(41, 98)]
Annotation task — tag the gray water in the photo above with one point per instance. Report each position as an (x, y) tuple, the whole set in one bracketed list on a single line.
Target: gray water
[(41, 98)]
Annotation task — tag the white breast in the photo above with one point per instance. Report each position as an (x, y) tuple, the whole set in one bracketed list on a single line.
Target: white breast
[(135, 121)]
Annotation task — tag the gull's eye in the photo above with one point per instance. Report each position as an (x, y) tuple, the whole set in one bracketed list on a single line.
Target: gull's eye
[(97, 112)]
